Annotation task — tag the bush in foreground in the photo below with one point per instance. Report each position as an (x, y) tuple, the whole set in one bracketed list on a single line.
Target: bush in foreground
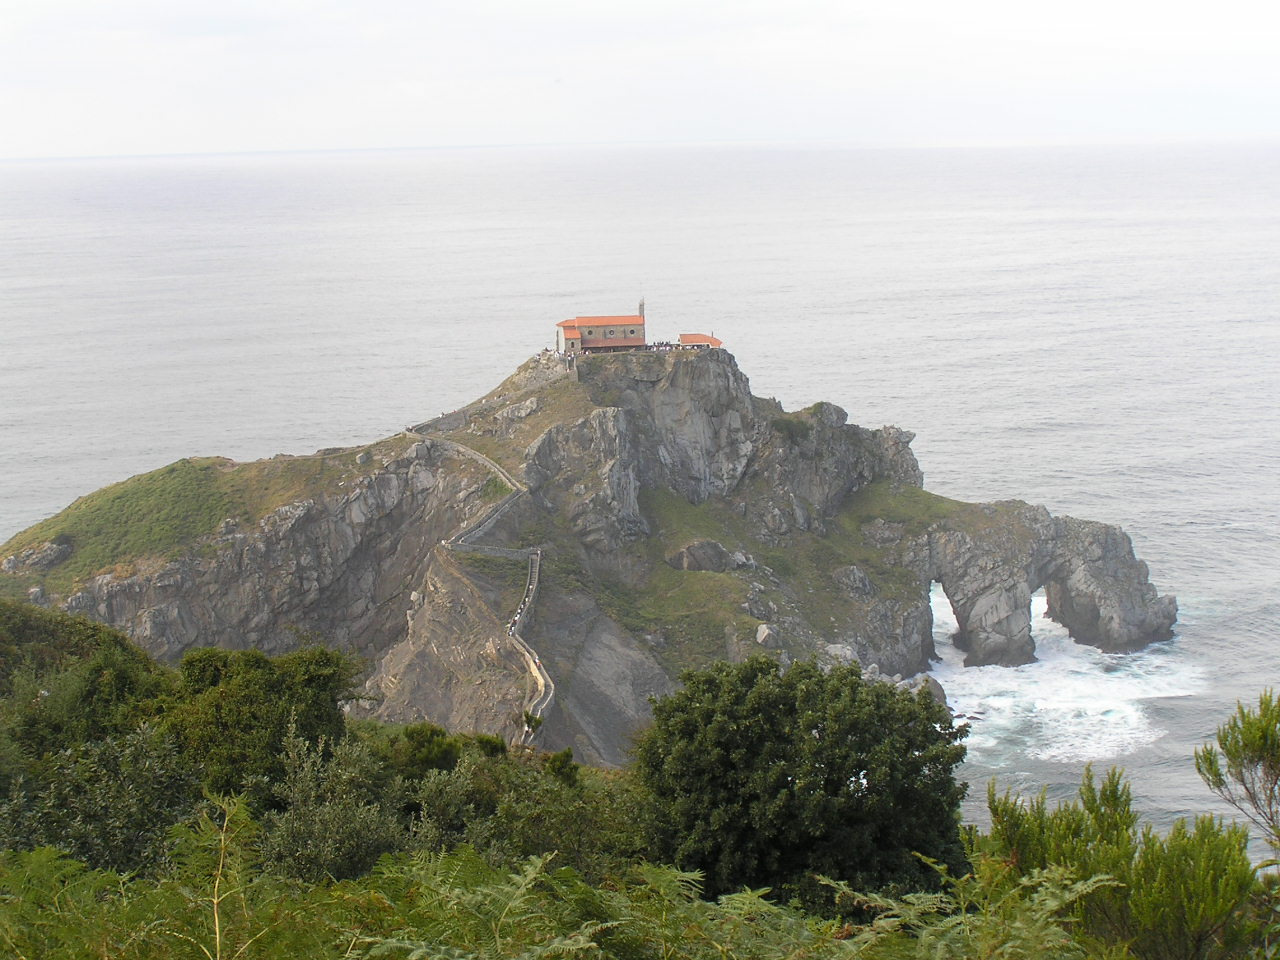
[(765, 778)]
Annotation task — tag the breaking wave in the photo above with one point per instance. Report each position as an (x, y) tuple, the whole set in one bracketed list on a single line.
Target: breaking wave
[(1075, 704)]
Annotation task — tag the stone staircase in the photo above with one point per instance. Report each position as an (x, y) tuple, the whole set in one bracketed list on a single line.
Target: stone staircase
[(544, 689)]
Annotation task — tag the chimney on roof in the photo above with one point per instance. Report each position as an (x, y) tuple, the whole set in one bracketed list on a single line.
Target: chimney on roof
[(642, 308)]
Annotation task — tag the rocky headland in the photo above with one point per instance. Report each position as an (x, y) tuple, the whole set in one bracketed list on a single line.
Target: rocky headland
[(675, 518)]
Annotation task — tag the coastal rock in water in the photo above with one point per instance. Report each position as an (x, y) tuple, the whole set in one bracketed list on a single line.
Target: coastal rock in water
[(1094, 584), (927, 683), (1102, 594), (805, 533)]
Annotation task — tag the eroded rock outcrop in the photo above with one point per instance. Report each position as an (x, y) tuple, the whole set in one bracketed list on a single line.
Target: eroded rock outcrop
[(681, 519), (1094, 584)]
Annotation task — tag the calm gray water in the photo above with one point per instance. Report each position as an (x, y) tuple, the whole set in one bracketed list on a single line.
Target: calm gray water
[(1094, 329)]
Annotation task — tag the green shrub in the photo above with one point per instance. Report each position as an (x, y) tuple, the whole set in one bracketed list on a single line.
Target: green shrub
[(1244, 767), (106, 694), (336, 822), (495, 488), (792, 428), (511, 807), (978, 916), (764, 778), (408, 750), (1185, 896), (109, 803), (233, 708), (42, 642)]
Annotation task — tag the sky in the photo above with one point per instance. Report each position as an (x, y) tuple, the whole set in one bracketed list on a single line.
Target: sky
[(129, 77)]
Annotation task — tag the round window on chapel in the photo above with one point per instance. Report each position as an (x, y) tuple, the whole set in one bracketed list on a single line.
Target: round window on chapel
[(631, 332), (591, 333), (610, 331)]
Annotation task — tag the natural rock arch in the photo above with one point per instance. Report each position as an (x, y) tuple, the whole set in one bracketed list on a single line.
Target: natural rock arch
[(1094, 585)]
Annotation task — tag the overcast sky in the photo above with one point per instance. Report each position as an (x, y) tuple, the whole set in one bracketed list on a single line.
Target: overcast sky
[(107, 77)]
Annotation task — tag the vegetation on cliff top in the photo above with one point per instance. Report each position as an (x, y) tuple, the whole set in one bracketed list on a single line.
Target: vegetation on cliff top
[(158, 515), (709, 603)]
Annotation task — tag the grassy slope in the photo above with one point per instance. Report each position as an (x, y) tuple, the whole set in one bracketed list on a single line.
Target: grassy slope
[(160, 514), (507, 575), (698, 608)]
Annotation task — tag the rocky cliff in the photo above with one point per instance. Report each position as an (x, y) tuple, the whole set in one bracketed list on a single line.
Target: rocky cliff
[(680, 519)]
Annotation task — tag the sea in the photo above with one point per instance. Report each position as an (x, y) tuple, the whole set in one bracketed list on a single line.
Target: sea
[(1095, 329)]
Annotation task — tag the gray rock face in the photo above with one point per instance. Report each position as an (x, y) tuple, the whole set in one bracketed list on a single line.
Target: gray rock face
[(1094, 584), (767, 636), (363, 569), (898, 634), (1100, 591), (857, 583), (340, 568), (604, 678), (36, 559), (702, 555)]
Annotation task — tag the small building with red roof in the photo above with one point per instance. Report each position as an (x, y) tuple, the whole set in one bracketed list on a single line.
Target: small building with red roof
[(600, 334), (699, 341), (613, 334)]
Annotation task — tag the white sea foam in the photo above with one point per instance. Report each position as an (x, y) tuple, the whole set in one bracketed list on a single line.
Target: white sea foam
[(1074, 704)]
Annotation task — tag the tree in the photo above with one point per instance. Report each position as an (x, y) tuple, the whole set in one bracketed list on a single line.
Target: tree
[(233, 708), (509, 807), (1246, 773), (766, 778), (47, 641), (107, 694), (110, 803), (407, 750), (1184, 896), (336, 821)]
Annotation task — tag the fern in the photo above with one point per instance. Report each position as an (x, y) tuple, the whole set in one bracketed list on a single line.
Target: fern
[(985, 914), (459, 906)]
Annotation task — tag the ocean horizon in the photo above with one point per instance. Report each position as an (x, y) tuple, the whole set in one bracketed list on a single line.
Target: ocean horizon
[(1090, 328)]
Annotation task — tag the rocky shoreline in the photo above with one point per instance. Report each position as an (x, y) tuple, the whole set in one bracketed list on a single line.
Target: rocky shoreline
[(635, 464)]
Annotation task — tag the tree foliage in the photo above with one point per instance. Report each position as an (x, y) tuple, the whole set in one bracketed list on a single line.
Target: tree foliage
[(41, 642), (337, 819), (1244, 767), (408, 750), (65, 681), (1184, 896), (233, 709), (765, 778), (511, 807), (108, 802), (108, 693), (984, 914), (749, 776)]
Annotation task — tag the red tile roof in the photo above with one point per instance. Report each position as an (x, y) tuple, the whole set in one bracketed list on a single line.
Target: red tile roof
[(571, 333), (697, 339), (601, 321)]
